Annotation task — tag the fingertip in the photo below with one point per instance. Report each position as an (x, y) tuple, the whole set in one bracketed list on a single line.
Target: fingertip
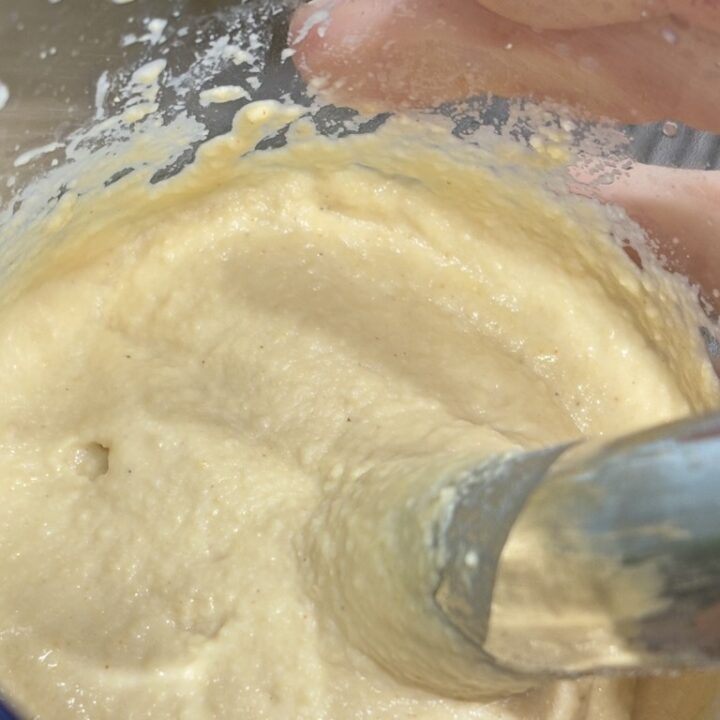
[(303, 35), (307, 18), (340, 41), (322, 27), (311, 36)]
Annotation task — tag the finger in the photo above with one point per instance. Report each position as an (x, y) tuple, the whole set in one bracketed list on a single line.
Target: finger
[(703, 13), (572, 14), (414, 53), (680, 210)]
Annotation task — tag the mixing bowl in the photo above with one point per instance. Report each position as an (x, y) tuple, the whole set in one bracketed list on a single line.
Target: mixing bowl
[(65, 68)]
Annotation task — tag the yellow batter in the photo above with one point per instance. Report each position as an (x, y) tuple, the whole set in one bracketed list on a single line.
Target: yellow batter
[(193, 372)]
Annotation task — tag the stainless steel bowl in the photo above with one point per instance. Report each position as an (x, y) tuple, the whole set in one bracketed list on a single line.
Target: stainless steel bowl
[(64, 62)]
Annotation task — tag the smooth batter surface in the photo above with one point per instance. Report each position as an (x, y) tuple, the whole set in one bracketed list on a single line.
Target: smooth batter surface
[(194, 374)]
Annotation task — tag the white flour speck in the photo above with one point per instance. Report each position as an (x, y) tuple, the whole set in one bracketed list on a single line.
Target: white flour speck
[(4, 94)]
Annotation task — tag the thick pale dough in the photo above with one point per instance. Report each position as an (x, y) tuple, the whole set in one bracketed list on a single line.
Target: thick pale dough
[(192, 372)]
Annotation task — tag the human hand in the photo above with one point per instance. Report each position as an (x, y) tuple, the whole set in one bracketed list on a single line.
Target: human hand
[(632, 60)]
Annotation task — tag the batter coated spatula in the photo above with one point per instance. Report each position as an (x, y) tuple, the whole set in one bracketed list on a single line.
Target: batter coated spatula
[(584, 558), (636, 519)]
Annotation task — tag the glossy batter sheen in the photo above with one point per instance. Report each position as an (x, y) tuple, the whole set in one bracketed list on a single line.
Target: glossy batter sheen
[(194, 373)]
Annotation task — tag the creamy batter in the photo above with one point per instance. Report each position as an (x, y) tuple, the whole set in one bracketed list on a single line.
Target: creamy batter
[(193, 373)]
